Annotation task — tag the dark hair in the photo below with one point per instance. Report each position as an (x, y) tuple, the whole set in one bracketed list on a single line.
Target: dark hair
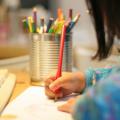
[(106, 14)]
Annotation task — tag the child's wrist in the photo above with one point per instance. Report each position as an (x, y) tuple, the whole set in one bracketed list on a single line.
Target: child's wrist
[(81, 84)]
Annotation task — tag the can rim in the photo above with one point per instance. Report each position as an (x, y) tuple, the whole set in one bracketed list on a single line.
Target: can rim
[(50, 34)]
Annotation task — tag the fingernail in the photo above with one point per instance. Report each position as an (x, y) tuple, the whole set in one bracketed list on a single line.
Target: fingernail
[(54, 88), (51, 86)]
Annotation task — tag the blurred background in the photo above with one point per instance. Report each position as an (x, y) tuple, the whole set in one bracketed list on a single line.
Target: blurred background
[(14, 42)]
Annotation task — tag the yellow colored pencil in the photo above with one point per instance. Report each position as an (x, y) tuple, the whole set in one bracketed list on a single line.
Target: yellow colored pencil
[(30, 24)]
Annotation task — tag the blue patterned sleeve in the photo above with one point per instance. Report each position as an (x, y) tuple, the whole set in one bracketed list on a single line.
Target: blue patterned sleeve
[(97, 74), (101, 101)]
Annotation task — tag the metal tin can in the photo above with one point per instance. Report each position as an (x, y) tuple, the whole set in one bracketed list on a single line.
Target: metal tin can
[(44, 55)]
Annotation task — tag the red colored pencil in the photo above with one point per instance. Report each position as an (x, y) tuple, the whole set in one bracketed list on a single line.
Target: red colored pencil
[(62, 41), (61, 51)]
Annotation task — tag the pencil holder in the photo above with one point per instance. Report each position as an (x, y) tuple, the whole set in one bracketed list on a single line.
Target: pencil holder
[(44, 55)]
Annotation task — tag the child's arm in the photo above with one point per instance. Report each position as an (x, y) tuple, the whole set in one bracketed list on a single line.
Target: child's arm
[(101, 102), (94, 75)]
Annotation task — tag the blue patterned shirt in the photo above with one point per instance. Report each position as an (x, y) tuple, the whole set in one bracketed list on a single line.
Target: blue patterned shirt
[(102, 100)]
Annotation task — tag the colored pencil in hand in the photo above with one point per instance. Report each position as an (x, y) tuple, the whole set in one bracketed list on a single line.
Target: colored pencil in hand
[(62, 41)]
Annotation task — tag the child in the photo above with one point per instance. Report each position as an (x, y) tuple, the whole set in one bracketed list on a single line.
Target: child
[(100, 101)]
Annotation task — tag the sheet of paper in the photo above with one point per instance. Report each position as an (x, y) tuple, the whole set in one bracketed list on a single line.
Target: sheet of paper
[(34, 105)]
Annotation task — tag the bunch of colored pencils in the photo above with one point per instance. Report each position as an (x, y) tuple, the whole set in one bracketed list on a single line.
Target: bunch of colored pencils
[(53, 26)]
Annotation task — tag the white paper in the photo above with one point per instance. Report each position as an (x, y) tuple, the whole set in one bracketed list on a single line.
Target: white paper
[(34, 105)]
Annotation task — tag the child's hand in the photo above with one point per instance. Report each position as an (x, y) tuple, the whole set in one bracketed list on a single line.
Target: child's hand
[(68, 106), (48, 91), (69, 83)]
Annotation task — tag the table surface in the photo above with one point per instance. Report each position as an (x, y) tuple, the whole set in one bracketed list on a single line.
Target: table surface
[(22, 83)]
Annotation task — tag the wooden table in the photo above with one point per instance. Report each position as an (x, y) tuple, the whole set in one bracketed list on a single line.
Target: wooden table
[(22, 83)]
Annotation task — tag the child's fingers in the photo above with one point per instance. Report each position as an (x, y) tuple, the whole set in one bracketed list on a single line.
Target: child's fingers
[(51, 94), (56, 84), (49, 80), (68, 106), (65, 108)]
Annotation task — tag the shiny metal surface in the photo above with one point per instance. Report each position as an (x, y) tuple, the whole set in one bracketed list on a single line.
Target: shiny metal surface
[(44, 55)]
